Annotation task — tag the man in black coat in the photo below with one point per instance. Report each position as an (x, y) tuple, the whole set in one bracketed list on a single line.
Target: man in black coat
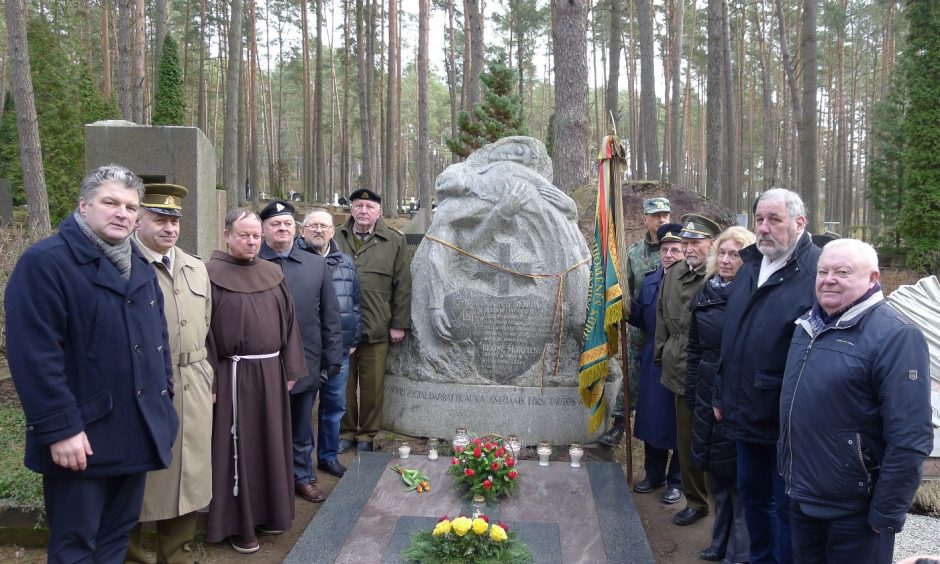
[(310, 284), (772, 289), (88, 350)]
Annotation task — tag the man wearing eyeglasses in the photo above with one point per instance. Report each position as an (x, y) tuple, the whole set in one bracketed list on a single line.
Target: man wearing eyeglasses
[(317, 237), (383, 262)]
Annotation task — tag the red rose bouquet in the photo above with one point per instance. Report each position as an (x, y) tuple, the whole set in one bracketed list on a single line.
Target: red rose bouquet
[(484, 467)]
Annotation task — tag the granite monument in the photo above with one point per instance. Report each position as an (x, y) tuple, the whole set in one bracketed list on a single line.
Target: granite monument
[(500, 284)]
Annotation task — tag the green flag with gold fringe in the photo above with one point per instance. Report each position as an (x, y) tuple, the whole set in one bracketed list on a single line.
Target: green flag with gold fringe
[(605, 296)]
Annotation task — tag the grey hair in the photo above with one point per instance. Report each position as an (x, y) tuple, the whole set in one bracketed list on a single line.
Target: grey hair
[(237, 214), (793, 202), (105, 174), (860, 249), (316, 210)]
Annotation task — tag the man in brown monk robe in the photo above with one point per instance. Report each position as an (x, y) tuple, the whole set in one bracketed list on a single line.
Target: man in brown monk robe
[(255, 348)]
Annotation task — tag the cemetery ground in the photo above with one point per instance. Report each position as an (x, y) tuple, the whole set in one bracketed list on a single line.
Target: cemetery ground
[(22, 537)]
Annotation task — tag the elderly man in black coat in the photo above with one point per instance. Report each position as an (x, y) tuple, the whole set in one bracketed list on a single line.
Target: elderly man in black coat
[(310, 283), (87, 345)]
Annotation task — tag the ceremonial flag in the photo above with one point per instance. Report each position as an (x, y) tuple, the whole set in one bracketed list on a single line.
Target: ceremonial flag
[(605, 297)]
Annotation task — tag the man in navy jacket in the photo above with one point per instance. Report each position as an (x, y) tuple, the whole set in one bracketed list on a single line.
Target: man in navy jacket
[(310, 284), (87, 345), (773, 287), (854, 414)]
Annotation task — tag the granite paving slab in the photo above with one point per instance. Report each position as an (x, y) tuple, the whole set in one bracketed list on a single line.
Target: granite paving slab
[(591, 508)]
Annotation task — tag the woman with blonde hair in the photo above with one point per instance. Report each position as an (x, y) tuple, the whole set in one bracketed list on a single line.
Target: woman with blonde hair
[(711, 449)]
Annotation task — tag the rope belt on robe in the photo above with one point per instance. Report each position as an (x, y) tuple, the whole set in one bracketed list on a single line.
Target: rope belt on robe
[(558, 311), (235, 358)]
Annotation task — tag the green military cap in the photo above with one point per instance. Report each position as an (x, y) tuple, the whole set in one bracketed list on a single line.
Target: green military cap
[(695, 226), (165, 199), (656, 205)]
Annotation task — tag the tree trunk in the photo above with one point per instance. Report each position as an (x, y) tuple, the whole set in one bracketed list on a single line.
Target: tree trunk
[(202, 111), (451, 66), (254, 129), (569, 37), (649, 110), (423, 160), (140, 62), (344, 141), (809, 173), (105, 53), (125, 58), (27, 125), (714, 140), (472, 78), (306, 177), (769, 158), (390, 209), (675, 134), (365, 128), (730, 189), (232, 82), (319, 173)]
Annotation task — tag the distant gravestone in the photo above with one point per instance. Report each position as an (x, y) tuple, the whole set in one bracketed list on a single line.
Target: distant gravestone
[(175, 155), (499, 296), (6, 203)]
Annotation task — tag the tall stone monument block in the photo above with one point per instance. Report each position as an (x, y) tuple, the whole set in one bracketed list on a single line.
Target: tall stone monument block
[(499, 297), (176, 155)]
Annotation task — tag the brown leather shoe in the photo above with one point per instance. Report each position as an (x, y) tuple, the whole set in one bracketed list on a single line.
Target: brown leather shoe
[(310, 492)]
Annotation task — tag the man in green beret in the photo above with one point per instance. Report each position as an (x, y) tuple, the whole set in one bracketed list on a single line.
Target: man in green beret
[(642, 258)]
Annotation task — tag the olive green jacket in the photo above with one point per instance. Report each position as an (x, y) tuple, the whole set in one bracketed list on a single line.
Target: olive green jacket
[(384, 267), (672, 322)]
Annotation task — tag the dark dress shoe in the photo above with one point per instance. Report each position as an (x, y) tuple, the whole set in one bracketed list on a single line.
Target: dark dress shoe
[(612, 437), (672, 495), (646, 486), (345, 445), (332, 467), (364, 446), (310, 492), (711, 555), (688, 516)]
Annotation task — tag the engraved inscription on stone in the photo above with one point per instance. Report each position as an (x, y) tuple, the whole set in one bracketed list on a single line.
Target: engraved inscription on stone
[(509, 333)]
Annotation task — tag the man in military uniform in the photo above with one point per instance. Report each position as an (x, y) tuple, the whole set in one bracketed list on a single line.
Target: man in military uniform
[(383, 262), (673, 318), (173, 496), (642, 258)]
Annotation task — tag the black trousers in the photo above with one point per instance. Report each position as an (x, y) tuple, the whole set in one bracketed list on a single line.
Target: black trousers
[(848, 538), (90, 518)]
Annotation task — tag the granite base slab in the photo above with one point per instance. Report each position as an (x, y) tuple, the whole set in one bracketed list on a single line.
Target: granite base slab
[(428, 409), (591, 507)]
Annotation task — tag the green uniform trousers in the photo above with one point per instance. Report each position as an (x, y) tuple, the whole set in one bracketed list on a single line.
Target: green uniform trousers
[(174, 537), (365, 393), (694, 482)]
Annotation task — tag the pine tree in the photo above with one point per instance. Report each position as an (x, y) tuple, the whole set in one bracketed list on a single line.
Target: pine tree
[(66, 99), (885, 171), (169, 103), (497, 117), (920, 218)]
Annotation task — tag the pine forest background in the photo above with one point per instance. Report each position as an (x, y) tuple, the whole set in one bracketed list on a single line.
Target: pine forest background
[(837, 99)]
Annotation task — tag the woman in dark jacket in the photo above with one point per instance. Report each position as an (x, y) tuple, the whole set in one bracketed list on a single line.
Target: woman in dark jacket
[(711, 449)]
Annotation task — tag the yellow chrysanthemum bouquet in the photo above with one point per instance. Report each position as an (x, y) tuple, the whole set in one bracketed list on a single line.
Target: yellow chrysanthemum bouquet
[(467, 540)]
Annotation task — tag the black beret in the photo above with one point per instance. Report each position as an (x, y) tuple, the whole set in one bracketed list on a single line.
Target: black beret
[(669, 232), (365, 194), (277, 207)]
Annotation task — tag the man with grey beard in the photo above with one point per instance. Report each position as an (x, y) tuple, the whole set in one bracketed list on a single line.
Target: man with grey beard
[(680, 284), (773, 287)]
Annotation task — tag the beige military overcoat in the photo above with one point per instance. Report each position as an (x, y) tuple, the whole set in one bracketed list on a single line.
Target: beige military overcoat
[(186, 485)]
